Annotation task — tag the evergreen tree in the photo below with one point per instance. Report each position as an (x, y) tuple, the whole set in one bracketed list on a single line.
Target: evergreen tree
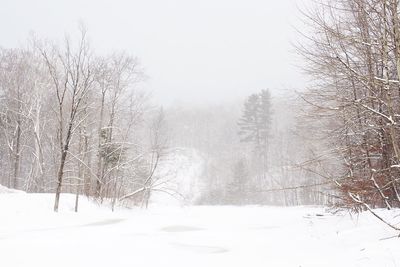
[(237, 188), (255, 125), (265, 112), (249, 122)]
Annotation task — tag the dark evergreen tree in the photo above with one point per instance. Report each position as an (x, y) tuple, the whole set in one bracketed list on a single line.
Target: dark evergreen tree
[(255, 125), (248, 123)]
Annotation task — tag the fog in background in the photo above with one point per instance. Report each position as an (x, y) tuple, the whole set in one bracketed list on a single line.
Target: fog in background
[(194, 100), (192, 51), (241, 125)]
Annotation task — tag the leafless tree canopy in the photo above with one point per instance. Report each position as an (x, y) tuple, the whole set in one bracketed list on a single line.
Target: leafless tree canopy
[(353, 56), (73, 121)]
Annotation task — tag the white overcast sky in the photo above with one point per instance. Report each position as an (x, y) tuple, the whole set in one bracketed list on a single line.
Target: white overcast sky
[(201, 51)]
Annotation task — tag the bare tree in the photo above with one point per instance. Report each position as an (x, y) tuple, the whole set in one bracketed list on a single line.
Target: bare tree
[(354, 57), (149, 181), (71, 72), (117, 76)]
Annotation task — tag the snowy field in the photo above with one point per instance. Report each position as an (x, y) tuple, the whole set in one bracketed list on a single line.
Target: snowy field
[(32, 235)]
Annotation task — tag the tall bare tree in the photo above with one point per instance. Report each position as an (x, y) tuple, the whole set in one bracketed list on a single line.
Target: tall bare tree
[(71, 71)]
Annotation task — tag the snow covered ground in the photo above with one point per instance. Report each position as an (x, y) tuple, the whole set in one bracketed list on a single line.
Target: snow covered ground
[(32, 235)]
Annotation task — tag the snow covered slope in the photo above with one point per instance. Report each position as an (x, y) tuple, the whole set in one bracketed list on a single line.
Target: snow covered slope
[(4, 190), (32, 235), (180, 175)]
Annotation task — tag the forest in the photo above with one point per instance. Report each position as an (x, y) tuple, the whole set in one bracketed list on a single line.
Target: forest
[(200, 133), (76, 121)]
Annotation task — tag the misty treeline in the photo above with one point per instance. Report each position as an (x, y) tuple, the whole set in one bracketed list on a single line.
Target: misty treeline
[(254, 151), (337, 142), (353, 55), (75, 121)]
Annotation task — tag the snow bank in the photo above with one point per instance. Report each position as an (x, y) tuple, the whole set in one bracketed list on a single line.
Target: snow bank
[(6, 190)]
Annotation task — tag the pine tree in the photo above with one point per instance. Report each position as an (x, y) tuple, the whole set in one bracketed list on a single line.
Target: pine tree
[(249, 122), (237, 189), (255, 125), (265, 120)]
